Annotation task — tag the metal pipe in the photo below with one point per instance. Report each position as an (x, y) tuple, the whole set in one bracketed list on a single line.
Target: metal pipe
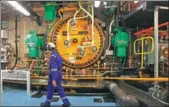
[(0, 63), (65, 9), (123, 98), (161, 79), (164, 8), (127, 79), (156, 50), (149, 30)]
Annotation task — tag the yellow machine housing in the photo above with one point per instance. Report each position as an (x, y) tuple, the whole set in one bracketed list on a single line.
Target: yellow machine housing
[(77, 51)]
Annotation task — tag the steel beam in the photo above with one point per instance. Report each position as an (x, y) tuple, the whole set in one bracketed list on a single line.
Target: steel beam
[(142, 6)]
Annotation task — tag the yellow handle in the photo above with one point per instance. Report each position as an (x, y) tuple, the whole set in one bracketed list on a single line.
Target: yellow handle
[(142, 53)]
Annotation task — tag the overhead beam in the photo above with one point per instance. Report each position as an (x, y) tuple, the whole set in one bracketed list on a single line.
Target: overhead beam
[(34, 15)]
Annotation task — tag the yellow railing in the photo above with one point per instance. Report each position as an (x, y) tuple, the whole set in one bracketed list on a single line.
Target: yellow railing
[(142, 53)]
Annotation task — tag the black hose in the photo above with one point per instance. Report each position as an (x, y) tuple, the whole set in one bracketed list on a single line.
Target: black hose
[(16, 45), (122, 97)]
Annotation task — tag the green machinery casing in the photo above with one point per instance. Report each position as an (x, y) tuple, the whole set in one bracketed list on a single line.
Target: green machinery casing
[(120, 41), (34, 44), (50, 10)]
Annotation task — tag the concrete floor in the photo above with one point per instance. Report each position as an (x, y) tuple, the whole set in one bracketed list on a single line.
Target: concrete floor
[(18, 97)]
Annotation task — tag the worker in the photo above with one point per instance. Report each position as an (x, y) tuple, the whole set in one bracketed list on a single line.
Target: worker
[(55, 78)]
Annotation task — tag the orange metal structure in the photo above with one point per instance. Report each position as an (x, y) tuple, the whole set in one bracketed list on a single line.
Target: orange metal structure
[(149, 31)]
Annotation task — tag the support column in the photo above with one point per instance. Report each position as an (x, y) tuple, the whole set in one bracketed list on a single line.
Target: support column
[(156, 49)]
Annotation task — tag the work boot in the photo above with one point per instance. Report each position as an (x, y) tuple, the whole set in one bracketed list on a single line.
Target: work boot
[(64, 105), (45, 104)]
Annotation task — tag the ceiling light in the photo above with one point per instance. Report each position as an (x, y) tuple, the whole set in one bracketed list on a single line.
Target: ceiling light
[(136, 2), (96, 3), (18, 7)]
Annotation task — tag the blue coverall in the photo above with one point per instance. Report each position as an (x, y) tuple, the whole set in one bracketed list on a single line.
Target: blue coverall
[(55, 73)]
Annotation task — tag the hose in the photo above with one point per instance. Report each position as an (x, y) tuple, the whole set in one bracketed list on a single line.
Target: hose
[(123, 98), (16, 45), (157, 98)]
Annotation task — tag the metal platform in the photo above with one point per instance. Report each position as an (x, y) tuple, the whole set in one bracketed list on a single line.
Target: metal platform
[(16, 75), (143, 16)]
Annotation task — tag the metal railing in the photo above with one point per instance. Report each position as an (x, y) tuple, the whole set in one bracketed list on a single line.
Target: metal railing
[(142, 53)]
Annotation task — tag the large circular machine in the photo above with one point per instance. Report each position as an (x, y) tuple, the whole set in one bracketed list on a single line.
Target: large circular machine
[(74, 41)]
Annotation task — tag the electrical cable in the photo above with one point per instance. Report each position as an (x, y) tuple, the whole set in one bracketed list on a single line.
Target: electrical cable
[(68, 35), (122, 66), (108, 72), (75, 18), (92, 17), (109, 37), (110, 27), (114, 52), (16, 45), (60, 14)]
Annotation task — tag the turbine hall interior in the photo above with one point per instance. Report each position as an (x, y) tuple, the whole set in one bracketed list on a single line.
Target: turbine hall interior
[(99, 53)]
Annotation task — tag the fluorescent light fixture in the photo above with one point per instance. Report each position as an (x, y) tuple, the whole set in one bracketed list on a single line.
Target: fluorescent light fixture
[(136, 1), (18, 7), (96, 3), (104, 3)]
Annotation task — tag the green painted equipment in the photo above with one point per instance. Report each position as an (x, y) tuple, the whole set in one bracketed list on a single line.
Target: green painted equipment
[(50, 10), (34, 44), (120, 41), (109, 11)]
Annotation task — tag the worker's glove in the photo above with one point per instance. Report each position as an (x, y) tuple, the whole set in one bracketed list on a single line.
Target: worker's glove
[(54, 83)]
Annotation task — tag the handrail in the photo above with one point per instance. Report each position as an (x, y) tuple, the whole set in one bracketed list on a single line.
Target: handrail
[(142, 53)]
